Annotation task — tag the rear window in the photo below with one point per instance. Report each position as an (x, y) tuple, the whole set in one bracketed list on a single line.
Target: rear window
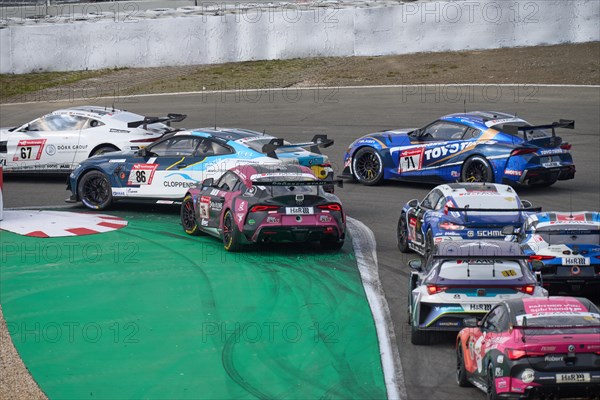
[(480, 270), (560, 323)]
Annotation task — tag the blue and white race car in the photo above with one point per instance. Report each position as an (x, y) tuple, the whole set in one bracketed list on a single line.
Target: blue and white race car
[(463, 280), (470, 147), (460, 211), (163, 171), (565, 248)]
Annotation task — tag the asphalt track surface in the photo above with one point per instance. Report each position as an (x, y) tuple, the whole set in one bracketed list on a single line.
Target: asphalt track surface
[(344, 114)]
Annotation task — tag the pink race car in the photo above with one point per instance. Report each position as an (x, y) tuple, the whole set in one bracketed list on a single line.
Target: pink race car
[(533, 347), (254, 204)]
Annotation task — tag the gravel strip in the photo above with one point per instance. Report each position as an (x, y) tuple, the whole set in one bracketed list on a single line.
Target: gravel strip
[(15, 381)]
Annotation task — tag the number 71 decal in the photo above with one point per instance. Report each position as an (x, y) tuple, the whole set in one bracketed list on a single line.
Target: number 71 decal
[(141, 174), (411, 160)]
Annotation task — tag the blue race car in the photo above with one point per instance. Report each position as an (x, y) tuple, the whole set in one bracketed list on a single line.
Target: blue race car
[(164, 171), (565, 248), (458, 211), (471, 147)]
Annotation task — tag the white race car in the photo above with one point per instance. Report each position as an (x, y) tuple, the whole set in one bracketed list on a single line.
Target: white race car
[(465, 279), (59, 141)]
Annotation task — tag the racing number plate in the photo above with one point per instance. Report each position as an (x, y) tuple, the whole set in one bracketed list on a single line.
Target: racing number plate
[(572, 378), (550, 162), (299, 210), (576, 261), (141, 174), (29, 149)]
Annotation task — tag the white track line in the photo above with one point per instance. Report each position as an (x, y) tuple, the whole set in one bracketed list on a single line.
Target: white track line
[(207, 92), (363, 241)]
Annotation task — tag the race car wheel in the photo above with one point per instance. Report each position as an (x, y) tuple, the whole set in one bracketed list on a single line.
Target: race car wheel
[(418, 337), (367, 166), (231, 235), (491, 384), (332, 243), (477, 169), (402, 234), (461, 371), (188, 216), (95, 191), (102, 150)]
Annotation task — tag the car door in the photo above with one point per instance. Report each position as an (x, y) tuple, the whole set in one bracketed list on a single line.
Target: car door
[(418, 219), (215, 198), (48, 142)]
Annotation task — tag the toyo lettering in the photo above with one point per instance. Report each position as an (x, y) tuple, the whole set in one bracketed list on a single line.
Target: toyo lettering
[(441, 151)]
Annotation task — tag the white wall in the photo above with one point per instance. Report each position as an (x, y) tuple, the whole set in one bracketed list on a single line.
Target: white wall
[(151, 39)]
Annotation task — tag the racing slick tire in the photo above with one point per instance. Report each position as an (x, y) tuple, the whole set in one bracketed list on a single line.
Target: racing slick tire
[(418, 337), (491, 385), (95, 191), (188, 217), (402, 234), (461, 371), (367, 166), (332, 243), (477, 169), (231, 235), (102, 150)]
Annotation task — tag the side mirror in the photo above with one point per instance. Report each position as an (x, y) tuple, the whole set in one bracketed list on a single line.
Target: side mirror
[(208, 182), (414, 203), (415, 265), (508, 230), (143, 152), (526, 204), (471, 322)]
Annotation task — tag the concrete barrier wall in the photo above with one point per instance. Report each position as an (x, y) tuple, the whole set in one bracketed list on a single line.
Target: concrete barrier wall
[(152, 40)]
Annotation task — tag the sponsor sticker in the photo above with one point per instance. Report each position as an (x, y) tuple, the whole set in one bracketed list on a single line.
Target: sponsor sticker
[(203, 206), (411, 160)]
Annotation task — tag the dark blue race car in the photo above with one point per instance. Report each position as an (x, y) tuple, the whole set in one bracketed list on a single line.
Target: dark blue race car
[(471, 147), (458, 211)]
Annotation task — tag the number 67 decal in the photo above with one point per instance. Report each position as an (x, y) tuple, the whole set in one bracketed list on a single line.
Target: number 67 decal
[(141, 174)]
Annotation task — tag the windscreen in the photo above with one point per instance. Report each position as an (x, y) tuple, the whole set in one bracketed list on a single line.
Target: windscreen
[(588, 234), (480, 270)]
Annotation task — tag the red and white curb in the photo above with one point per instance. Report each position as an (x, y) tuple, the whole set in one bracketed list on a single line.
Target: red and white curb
[(44, 224)]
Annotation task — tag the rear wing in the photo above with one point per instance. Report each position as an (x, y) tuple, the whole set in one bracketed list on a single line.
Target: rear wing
[(480, 257), (515, 129), (171, 117), (492, 210), (339, 182), (314, 145), (556, 327)]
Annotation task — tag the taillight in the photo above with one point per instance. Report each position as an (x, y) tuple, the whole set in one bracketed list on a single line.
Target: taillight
[(598, 257), (433, 289), (527, 289), (148, 140), (262, 208), (330, 207), (516, 354), (566, 146), (536, 257), (451, 227), (519, 152)]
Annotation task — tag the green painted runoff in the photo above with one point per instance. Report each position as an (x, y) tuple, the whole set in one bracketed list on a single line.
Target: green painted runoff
[(149, 312)]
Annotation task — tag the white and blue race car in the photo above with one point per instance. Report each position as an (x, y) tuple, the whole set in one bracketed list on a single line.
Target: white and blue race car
[(465, 279), (565, 248), (164, 171)]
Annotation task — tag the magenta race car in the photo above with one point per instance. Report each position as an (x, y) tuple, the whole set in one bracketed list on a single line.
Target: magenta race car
[(258, 204), (533, 348)]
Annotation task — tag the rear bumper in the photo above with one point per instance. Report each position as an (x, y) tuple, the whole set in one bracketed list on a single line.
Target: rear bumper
[(291, 233), (541, 175), (583, 286)]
